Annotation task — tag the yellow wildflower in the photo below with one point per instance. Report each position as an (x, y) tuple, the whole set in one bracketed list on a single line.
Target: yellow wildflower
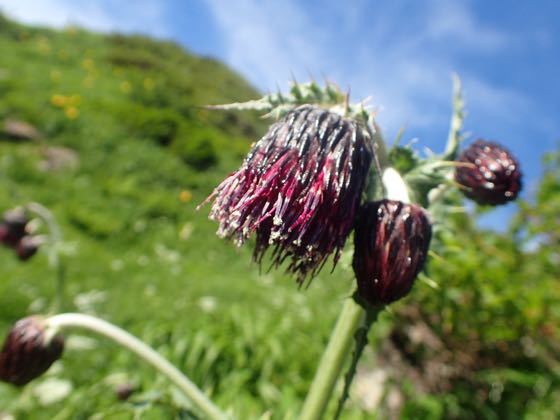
[(185, 196), (72, 112)]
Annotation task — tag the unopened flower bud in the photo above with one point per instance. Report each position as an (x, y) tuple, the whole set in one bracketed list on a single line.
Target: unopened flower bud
[(391, 242), (12, 227), (29, 350), (489, 173), (124, 391), (27, 247)]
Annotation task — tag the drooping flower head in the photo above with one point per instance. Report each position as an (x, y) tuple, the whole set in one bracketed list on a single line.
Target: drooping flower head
[(28, 351), (15, 234), (12, 227), (298, 189), (490, 173), (391, 242), (27, 247)]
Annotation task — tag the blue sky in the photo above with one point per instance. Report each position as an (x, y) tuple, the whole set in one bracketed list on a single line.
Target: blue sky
[(401, 53)]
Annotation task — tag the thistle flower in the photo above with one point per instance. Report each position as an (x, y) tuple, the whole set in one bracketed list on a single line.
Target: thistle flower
[(12, 227), (391, 241), (27, 247), (491, 174), (28, 351), (298, 189)]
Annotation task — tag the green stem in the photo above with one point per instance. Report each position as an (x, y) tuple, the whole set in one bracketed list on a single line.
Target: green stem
[(146, 353), (380, 157), (55, 239), (48, 218), (331, 363), (361, 338), (60, 286), (379, 146)]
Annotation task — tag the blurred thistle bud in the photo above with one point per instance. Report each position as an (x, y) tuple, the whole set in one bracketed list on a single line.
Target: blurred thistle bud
[(29, 350), (27, 247), (12, 226), (124, 391), (298, 189), (391, 242), (490, 173)]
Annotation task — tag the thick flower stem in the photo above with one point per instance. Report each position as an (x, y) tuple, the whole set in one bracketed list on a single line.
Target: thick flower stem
[(330, 366), (146, 353), (361, 338)]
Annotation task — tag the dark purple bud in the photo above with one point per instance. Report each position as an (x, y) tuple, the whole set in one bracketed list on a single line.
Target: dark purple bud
[(124, 391), (490, 173), (27, 247), (12, 227), (298, 189), (4, 234), (391, 242), (29, 350)]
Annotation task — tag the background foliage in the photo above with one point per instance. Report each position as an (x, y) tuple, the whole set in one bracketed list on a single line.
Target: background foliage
[(124, 156)]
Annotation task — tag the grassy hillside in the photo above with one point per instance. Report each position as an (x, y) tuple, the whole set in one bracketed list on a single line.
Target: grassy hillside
[(125, 154)]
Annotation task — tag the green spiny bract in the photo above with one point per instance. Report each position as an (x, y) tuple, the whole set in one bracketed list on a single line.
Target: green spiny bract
[(278, 104)]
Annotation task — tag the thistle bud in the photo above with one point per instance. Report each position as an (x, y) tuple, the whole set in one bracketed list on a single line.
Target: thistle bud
[(298, 190), (12, 227), (29, 350), (391, 242), (124, 391), (490, 173), (27, 247)]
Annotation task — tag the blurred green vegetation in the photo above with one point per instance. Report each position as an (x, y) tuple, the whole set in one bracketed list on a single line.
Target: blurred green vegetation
[(125, 155)]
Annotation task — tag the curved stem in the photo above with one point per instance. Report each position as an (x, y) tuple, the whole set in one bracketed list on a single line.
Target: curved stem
[(331, 363), (48, 218), (55, 238), (146, 353)]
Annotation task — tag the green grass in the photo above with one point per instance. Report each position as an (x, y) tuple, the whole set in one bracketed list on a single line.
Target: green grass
[(250, 339)]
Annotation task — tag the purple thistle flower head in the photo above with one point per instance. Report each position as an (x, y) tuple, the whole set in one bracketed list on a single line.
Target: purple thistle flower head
[(28, 351), (391, 242), (491, 173), (298, 189), (12, 227)]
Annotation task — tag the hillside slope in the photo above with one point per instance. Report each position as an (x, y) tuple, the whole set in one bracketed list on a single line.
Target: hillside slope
[(115, 142)]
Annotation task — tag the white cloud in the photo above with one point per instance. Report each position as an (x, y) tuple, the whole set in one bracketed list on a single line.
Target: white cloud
[(265, 39), (146, 16), (454, 22), (492, 100), (364, 45)]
